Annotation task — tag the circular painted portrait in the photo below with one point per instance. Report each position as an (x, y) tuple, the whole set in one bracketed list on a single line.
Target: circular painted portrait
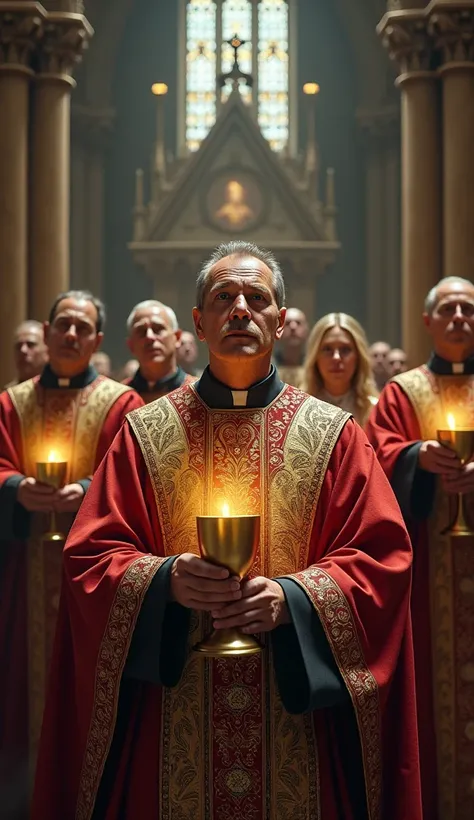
[(234, 201)]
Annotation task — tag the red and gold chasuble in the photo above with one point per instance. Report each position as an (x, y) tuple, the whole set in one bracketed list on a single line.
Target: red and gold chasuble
[(451, 586), (68, 422), (228, 747)]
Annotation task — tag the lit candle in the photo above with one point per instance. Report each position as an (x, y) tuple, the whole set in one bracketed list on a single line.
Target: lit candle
[(451, 421), (225, 510), (53, 457)]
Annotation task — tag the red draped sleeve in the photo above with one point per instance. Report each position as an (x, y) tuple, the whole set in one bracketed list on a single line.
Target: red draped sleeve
[(392, 426)]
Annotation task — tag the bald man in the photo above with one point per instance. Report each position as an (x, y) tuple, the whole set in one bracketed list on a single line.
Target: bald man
[(153, 339), (29, 350)]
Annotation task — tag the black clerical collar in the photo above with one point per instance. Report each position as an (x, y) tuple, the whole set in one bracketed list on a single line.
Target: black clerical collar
[(221, 397), (442, 367), (164, 385), (50, 380)]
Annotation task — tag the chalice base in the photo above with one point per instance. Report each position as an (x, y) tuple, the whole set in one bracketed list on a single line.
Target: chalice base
[(224, 643), (460, 527)]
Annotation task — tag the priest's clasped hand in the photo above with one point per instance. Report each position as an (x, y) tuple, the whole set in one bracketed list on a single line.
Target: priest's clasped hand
[(37, 497), (437, 458), (460, 482), (197, 584), (261, 608)]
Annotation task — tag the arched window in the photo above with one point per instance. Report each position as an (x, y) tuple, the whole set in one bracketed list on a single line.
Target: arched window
[(263, 26)]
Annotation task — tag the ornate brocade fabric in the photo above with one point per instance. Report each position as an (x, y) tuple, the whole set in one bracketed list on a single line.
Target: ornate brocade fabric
[(228, 747), (451, 597)]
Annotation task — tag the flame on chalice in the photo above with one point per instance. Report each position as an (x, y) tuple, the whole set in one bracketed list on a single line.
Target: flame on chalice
[(451, 421), (53, 457), (225, 510)]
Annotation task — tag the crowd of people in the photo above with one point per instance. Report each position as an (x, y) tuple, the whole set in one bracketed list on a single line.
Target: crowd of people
[(100, 570)]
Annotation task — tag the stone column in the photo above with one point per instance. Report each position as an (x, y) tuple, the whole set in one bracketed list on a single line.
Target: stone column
[(66, 35), (382, 131), (453, 32), (20, 24), (404, 33), (91, 131)]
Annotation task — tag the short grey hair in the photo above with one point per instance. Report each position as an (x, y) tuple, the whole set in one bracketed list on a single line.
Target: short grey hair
[(432, 298), (240, 248), (153, 303), (31, 323)]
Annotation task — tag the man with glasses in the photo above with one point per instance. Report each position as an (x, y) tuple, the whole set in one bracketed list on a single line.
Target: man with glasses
[(427, 477), (153, 339)]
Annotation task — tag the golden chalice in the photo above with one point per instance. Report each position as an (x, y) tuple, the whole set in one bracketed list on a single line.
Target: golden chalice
[(54, 473), (461, 440), (230, 541)]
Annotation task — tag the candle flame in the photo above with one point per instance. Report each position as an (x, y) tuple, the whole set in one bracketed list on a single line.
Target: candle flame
[(53, 457), (451, 421), (225, 510)]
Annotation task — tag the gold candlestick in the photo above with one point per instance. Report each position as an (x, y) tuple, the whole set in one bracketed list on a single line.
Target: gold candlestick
[(461, 440), (54, 473), (230, 542)]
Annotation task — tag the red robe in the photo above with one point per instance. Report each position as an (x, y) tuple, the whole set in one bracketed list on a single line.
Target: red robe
[(333, 528), (85, 423), (410, 410)]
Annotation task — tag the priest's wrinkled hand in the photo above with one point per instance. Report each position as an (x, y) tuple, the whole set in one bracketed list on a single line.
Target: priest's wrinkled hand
[(69, 498), (197, 584), (437, 458), (34, 496), (461, 482), (262, 608)]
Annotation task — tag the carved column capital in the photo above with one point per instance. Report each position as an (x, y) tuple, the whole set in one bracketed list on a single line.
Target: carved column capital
[(65, 38), (20, 30), (452, 31), (405, 35)]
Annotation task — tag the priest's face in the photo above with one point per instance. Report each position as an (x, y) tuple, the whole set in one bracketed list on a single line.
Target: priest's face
[(240, 318), (152, 340), (451, 323), (72, 337)]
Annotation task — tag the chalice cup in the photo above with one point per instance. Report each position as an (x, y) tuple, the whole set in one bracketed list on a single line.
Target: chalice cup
[(230, 542), (54, 474), (461, 441)]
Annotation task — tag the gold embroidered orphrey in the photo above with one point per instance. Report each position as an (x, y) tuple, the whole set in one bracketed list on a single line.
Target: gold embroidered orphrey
[(225, 720), (68, 422), (452, 600)]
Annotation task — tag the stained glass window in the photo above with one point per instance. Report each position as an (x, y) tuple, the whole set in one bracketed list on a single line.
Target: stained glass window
[(209, 25), (200, 71), (273, 72), (237, 20)]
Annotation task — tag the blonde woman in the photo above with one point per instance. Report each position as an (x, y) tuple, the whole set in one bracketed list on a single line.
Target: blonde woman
[(337, 367)]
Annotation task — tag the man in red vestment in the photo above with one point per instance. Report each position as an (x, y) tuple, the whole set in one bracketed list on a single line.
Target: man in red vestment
[(321, 723), (71, 414), (426, 477), (153, 338)]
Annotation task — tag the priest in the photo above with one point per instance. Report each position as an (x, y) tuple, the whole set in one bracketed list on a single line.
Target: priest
[(68, 414), (321, 723), (153, 338), (427, 477)]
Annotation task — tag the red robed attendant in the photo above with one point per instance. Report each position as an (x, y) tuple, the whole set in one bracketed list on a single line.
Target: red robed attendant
[(322, 723), (426, 477), (69, 414)]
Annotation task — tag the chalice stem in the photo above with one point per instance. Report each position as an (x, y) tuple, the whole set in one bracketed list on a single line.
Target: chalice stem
[(460, 525)]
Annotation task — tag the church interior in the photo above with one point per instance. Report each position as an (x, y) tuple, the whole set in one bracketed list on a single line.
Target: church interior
[(106, 186)]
